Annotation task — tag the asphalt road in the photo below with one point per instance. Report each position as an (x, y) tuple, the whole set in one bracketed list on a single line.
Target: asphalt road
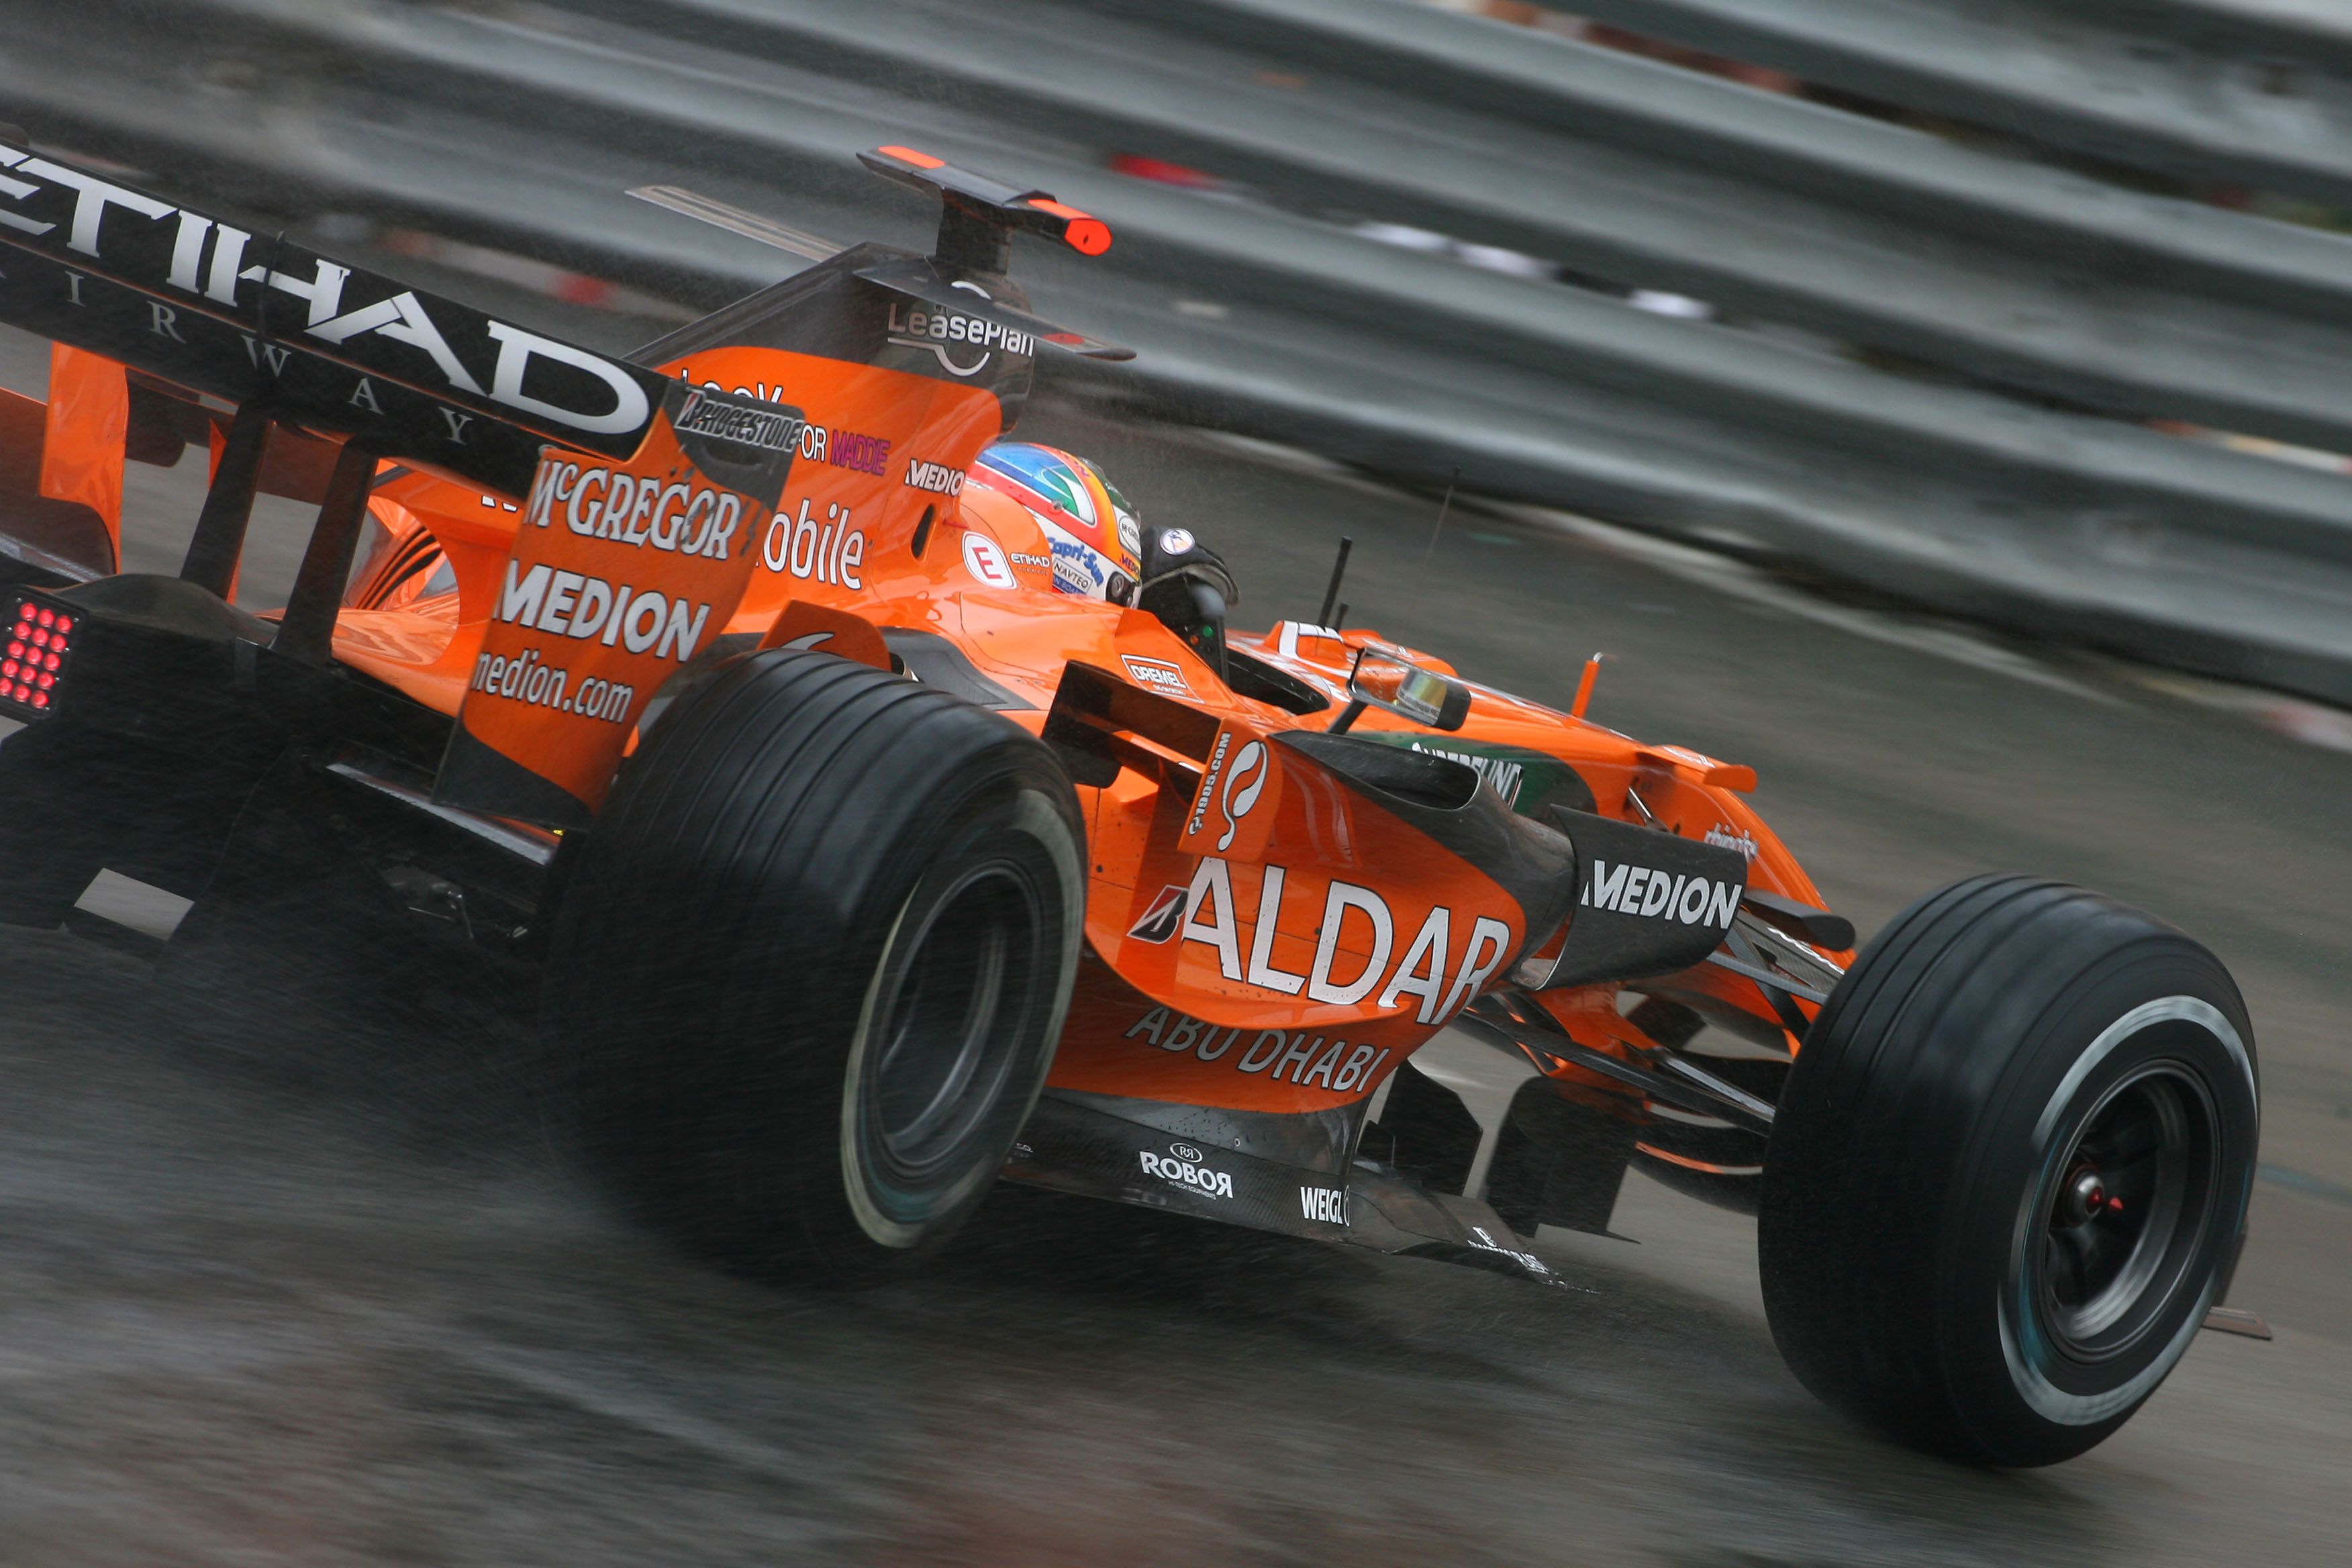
[(282, 1284)]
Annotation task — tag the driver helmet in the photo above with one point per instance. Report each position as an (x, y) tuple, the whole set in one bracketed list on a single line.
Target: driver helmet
[(1096, 542)]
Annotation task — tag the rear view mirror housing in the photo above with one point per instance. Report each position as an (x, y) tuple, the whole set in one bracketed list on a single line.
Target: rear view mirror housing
[(1394, 684)]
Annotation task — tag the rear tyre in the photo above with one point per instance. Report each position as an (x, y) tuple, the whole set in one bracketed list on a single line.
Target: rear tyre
[(810, 964), (2010, 1171)]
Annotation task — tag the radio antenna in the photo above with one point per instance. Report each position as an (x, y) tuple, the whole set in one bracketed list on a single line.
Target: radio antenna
[(1331, 593), (1429, 554)]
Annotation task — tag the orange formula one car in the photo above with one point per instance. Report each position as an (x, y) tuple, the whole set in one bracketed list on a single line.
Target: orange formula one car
[(877, 807)]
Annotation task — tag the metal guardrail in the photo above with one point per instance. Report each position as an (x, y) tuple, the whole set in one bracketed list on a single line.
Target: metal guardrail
[(1864, 231), (2205, 90), (1807, 227)]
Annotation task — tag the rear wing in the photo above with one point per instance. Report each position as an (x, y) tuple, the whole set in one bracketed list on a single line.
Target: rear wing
[(298, 339), (592, 616), (196, 300)]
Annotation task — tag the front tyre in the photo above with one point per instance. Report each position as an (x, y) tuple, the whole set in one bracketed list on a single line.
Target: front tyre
[(811, 961), (2010, 1171)]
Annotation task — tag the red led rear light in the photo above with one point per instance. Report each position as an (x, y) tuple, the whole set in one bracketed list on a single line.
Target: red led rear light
[(40, 646)]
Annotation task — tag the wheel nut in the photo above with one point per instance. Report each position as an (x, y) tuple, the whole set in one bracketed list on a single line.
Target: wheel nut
[(2087, 1194)]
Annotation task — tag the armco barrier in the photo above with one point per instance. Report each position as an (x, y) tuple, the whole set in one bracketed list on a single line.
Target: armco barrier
[(2205, 89), (520, 127)]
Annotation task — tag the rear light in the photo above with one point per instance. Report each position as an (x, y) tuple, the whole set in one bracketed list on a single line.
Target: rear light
[(40, 649)]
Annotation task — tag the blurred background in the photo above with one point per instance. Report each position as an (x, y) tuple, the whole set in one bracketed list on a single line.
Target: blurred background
[(1941, 405)]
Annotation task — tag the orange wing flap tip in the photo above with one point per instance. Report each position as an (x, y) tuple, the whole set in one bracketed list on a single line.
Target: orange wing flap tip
[(1086, 236), (1010, 205), (1700, 768), (1082, 232), (800, 624)]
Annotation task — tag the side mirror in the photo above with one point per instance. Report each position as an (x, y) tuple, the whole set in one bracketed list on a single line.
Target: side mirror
[(1399, 686)]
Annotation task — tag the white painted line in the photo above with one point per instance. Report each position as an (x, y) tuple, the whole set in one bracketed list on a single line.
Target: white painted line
[(112, 896)]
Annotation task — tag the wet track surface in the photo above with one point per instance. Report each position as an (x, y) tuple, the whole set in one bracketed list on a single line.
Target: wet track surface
[(281, 1281)]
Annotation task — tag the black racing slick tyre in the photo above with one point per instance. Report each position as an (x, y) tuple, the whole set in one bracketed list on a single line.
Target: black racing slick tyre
[(2010, 1171), (809, 964)]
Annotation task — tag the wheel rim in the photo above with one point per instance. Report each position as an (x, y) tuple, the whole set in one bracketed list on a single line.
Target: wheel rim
[(2124, 1210), (953, 1027)]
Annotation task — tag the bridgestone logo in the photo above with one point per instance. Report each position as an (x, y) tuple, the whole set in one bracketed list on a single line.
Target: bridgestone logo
[(706, 416), (1183, 1173)]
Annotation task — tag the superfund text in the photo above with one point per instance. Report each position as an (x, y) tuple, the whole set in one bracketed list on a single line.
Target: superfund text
[(605, 503)]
